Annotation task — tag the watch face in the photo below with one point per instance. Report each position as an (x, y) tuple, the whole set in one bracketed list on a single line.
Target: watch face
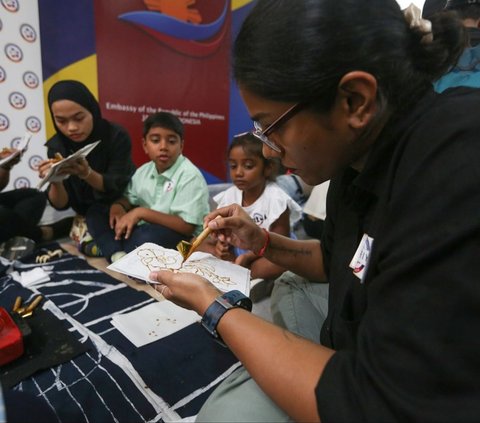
[(238, 299)]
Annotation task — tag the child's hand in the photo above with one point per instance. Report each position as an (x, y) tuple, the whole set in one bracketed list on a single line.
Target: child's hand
[(116, 213), (224, 251), (246, 260), (125, 225)]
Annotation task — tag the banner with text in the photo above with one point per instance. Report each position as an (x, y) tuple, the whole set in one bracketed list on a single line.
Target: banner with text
[(168, 55)]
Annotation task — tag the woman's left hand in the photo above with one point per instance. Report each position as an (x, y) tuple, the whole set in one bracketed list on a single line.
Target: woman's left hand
[(185, 289), (78, 167)]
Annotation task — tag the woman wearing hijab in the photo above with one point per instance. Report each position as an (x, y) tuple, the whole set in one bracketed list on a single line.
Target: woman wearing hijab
[(103, 175)]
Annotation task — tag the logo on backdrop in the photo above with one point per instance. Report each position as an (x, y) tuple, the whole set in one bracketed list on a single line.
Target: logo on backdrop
[(17, 100), (11, 5), (13, 52), (15, 142), (178, 25), (34, 161), (30, 79), (4, 122), (259, 218), (3, 74), (28, 33), (33, 124), (21, 182)]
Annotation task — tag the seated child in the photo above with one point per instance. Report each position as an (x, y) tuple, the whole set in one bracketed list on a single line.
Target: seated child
[(164, 202), (266, 203)]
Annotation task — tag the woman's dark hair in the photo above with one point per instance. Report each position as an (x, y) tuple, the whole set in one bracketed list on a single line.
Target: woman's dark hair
[(79, 93), (163, 120), (253, 146), (295, 51)]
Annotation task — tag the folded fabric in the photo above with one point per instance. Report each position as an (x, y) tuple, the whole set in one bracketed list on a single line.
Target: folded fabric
[(49, 344), (34, 276)]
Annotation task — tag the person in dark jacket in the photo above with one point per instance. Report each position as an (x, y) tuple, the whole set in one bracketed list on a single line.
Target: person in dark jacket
[(102, 176), (20, 209)]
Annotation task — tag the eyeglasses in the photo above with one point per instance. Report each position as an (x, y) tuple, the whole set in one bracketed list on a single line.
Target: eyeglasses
[(262, 134)]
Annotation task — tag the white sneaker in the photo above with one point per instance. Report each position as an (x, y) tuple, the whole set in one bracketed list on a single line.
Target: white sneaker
[(117, 256)]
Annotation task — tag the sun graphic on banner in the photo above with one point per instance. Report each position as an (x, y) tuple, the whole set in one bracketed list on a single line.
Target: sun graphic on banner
[(179, 9), (178, 25)]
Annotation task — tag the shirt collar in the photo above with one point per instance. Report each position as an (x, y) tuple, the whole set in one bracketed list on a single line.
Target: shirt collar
[(170, 172), (370, 181)]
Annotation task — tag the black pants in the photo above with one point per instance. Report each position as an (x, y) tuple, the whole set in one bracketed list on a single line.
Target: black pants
[(99, 227), (20, 211)]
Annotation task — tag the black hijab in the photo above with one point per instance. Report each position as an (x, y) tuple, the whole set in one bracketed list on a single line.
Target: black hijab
[(77, 92)]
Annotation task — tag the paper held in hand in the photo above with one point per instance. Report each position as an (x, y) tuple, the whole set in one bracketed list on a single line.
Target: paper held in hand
[(15, 152), (150, 257), (53, 172)]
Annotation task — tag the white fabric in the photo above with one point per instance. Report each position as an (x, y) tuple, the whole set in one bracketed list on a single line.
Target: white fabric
[(33, 277), (316, 204), (268, 207), (153, 322)]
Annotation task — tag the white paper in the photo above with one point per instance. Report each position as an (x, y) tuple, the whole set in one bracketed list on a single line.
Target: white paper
[(33, 277), (153, 322), (52, 174), (150, 257), (21, 148)]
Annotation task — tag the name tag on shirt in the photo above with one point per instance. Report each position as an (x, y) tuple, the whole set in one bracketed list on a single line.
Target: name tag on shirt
[(168, 186), (359, 263)]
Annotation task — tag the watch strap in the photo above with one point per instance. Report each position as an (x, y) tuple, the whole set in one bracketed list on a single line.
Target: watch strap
[(223, 303)]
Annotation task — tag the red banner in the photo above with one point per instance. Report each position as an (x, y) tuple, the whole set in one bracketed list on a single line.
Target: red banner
[(168, 55)]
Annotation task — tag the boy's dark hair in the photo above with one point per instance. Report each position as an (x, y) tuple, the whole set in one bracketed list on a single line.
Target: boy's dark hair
[(253, 146), (164, 120)]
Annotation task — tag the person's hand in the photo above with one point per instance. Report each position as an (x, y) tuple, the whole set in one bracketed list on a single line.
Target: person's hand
[(124, 226), (116, 213), (43, 167), (6, 152), (223, 251), (235, 227), (246, 260), (185, 289), (78, 167)]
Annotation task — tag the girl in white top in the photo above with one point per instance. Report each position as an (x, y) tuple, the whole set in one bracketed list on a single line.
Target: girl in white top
[(266, 203)]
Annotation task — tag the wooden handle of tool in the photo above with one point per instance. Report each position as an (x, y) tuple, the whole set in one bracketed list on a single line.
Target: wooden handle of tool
[(198, 241), (17, 304), (34, 303)]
